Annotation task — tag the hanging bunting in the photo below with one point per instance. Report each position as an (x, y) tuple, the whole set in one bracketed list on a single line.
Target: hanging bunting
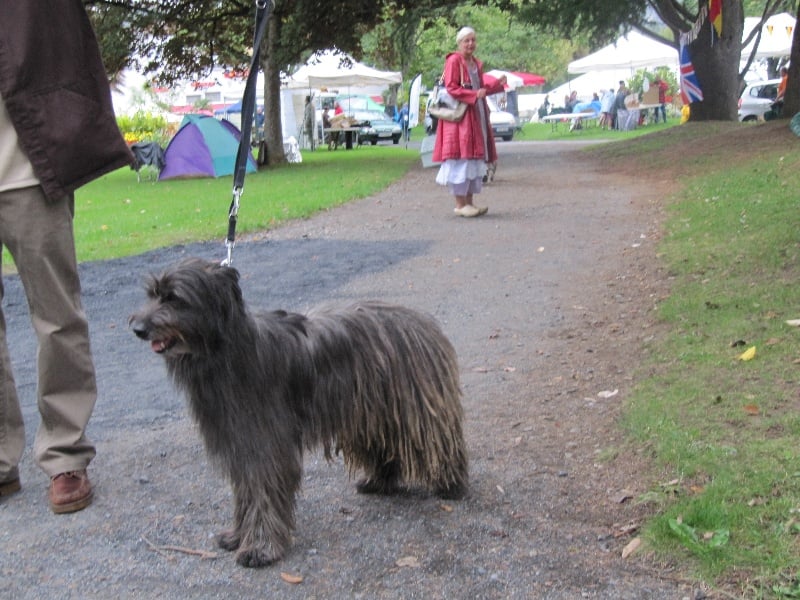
[(688, 37)]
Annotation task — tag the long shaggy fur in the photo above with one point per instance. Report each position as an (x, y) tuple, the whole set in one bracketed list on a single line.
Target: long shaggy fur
[(375, 382)]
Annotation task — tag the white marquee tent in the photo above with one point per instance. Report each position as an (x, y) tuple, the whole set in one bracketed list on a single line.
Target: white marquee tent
[(325, 69), (633, 51), (588, 84), (776, 36)]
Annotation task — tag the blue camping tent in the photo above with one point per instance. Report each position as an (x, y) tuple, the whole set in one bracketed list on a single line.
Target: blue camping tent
[(203, 147)]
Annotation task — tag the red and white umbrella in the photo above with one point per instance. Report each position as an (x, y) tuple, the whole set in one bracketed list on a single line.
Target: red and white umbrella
[(514, 79)]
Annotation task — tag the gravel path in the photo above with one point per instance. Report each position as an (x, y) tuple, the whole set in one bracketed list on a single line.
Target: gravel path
[(548, 300)]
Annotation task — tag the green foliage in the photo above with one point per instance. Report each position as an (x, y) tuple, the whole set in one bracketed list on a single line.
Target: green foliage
[(504, 42), (145, 126), (636, 82)]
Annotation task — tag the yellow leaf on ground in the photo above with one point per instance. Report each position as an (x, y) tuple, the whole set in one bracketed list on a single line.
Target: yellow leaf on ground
[(748, 354)]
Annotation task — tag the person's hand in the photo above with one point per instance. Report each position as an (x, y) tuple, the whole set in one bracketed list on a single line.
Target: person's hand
[(481, 93), (502, 79)]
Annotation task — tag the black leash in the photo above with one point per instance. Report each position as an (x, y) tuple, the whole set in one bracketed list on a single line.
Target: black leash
[(248, 110)]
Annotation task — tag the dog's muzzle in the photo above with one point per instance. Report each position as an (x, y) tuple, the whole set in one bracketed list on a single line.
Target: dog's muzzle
[(142, 331)]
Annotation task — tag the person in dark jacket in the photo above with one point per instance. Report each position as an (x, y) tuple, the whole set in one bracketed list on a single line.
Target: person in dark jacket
[(57, 132)]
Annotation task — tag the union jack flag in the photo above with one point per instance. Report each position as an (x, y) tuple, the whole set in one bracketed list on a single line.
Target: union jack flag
[(690, 87)]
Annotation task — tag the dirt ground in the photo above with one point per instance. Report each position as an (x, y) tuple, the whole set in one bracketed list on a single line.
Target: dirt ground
[(549, 301)]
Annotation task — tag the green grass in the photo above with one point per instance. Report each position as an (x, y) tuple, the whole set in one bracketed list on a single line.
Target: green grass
[(116, 216), (727, 430)]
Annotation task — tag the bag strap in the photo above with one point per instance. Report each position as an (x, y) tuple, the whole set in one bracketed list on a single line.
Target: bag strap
[(461, 72)]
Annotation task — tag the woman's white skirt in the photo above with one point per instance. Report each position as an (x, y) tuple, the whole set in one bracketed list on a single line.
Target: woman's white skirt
[(463, 176)]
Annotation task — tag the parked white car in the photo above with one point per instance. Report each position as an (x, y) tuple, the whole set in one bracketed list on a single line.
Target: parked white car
[(757, 99)]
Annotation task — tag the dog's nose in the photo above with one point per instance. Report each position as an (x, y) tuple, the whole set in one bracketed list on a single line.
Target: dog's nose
[(139, 328)]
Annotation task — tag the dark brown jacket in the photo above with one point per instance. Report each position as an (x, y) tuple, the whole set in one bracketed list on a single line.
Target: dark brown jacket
[(55, 89)]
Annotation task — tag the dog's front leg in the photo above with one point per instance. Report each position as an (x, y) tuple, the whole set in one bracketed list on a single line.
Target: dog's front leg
[(265, 513), (231, 539)]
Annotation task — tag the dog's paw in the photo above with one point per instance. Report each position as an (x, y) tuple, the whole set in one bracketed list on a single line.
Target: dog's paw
[(456, 491), (376, 486), (229, 540), (256, 557)]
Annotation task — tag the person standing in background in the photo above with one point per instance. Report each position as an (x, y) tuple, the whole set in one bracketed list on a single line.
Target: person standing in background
[(464, 148), (310, 122), (57, 132)]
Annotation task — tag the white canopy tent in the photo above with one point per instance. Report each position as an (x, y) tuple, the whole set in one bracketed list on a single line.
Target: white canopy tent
[(633, 51), (326, 69), (589, 83), (776, 36)]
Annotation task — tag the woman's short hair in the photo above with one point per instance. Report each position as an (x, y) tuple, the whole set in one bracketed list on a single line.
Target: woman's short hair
[(464, 32)]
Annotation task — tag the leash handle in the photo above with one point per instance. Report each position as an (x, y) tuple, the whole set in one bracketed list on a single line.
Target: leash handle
[(263, 8)]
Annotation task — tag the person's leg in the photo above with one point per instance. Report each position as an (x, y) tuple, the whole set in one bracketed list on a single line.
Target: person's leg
[(44, 252), (12, 429)]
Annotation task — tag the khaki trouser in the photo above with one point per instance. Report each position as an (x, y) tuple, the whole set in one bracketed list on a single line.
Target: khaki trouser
[(38, 234)]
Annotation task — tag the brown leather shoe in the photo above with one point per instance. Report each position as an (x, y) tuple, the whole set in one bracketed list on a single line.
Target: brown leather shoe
[(70, 492), (12, 486)]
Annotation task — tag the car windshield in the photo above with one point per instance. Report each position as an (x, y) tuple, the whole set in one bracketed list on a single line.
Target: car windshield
[(370, 115)]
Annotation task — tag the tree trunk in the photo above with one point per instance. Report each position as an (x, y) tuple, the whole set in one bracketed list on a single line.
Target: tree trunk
[(716, 64), (791, 100), (273, 134)]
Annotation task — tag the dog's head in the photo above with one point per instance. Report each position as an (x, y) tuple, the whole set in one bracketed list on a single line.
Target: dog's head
[(189, 306)]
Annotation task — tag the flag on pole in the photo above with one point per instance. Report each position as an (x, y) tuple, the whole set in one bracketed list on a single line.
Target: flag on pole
[(413, 101), (715, 14), (690, 87)]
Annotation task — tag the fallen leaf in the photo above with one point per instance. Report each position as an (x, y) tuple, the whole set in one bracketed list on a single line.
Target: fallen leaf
[(500, 489), (773, 341), (408, 561), (289, 578), (509, 369), (446, 507), (748, 354), (751, 409), (607, 393), (631, 547), (793, 322)]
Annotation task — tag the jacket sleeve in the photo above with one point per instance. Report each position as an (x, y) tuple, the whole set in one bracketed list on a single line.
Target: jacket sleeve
[(495, 88), (454, 72)]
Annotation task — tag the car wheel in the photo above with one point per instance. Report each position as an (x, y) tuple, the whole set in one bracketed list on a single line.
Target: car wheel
[(396, 139), (507, 138), (750, 118), (374, 142)]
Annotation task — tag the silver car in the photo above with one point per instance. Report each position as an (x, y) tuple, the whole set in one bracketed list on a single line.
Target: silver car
[(757, 99)]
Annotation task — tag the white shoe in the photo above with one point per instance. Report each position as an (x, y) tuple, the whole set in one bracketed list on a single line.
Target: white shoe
[(468, 210)]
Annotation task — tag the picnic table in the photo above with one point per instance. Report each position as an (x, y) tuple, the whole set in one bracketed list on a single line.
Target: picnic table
[(334, 137), (572, 119)]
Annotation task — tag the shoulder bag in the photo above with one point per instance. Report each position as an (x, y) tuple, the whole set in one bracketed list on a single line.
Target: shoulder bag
[(444, 106)]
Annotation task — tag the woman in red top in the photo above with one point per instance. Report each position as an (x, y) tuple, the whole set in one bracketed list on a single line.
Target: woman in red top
[(465, 147)]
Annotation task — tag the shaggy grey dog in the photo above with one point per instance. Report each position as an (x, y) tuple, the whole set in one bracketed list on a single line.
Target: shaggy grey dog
[(375, 382)]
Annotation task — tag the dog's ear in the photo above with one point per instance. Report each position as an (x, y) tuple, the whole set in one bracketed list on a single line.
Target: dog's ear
[(228, 279)]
